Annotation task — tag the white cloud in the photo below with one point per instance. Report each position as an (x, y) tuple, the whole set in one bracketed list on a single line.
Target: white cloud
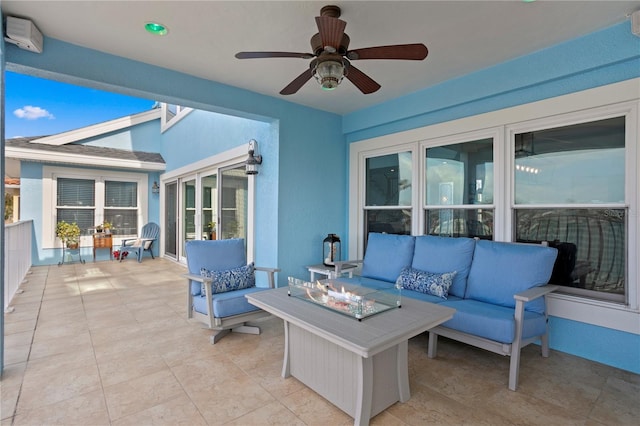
[(29, 112)]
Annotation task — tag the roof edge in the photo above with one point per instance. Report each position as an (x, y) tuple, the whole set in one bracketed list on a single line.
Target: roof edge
[(99, 129)]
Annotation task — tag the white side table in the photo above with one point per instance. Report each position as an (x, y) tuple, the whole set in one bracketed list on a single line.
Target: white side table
[(329, 271)]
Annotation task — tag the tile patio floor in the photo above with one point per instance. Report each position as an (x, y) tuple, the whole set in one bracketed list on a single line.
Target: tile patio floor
[(108, 343)]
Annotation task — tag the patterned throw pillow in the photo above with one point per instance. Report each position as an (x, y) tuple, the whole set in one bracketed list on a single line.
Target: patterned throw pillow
[(230, 279), (426, 282)]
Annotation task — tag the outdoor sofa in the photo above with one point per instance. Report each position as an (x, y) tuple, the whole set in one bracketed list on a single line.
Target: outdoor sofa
[(498, 289)]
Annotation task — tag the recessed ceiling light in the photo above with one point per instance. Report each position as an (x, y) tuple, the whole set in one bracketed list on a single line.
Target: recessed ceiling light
[(156, 28)]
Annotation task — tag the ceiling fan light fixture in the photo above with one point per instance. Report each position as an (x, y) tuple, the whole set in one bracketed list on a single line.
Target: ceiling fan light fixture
[(329, 74)]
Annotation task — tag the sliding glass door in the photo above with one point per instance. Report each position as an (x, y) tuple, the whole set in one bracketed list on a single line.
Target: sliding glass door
[(209, 205), (171, 219), (234, 203)]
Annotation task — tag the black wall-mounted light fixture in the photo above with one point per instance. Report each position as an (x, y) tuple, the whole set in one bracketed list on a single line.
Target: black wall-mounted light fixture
[(155, 188), (253, 160)]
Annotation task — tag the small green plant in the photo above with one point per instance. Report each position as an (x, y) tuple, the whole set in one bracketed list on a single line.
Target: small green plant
[(104, 226), (69, 233), (211, 226)]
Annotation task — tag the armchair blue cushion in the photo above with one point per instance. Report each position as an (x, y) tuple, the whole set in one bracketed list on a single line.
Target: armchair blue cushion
[(387, 255), (500, 270), (442, 255)]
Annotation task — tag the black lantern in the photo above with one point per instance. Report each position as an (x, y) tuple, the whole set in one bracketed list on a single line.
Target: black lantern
[(331, 250)]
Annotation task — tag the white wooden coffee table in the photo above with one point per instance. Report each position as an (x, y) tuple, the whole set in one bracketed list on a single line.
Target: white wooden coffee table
[(359, 366)]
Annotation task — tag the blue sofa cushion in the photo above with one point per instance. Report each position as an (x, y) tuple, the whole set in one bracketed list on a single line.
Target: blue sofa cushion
[(367, 282), (216, 255), (228, 304), (444, 254), (230, 279), (491, 321), (426, 282), (386, 255), (500, 270)]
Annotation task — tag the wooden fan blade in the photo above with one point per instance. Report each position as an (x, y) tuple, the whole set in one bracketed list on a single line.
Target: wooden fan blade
[(297, 83), (415, 52), (255, 55), (331, 31), (362, 81)]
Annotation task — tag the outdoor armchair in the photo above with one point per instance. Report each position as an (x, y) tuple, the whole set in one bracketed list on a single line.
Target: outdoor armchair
[(219, 278)]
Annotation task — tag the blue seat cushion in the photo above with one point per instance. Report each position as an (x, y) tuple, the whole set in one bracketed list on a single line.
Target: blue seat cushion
[(228, 304), (386, 255), (491, 321), (444, 254), (367, 282), (387, 286), (427, 297), (500, 270)]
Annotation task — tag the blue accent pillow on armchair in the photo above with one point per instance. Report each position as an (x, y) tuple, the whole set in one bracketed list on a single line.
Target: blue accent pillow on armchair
[(426, 282), (230, 279)]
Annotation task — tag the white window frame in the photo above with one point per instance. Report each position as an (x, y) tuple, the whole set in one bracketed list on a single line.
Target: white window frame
[(612, 100), (50, 174), (168, 119)]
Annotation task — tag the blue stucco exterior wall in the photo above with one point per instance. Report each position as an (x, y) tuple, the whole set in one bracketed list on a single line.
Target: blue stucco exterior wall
[(143, 137)]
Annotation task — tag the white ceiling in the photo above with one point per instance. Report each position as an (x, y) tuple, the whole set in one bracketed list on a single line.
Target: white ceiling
[(462, 37)]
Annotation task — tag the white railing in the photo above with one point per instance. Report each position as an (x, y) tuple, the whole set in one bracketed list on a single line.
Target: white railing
[(17, 257)]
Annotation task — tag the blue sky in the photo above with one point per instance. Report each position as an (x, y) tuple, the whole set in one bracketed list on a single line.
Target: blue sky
[(40, 107)]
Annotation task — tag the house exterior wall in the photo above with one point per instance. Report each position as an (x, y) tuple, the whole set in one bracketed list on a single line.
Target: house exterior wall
[(302, 187), (143, 137)]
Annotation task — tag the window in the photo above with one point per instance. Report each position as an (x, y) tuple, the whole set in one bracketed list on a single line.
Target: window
[(121, 206), (388, 194), (76, 202), (89, 198), (459, 178), (570, 190)]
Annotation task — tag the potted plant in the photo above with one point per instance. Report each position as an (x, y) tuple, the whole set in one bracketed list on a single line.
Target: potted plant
[(211, 226), (69, 234), (107, 226)]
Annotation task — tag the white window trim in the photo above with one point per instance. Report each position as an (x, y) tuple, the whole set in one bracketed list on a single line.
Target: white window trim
[(167, 119), (597, 103), (50, 174)]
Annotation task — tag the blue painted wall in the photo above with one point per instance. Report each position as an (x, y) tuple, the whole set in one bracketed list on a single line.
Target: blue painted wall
[(143, 137), (604, 345)]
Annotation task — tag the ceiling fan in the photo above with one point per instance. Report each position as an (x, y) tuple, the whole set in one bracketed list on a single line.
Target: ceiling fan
[(332, 59)]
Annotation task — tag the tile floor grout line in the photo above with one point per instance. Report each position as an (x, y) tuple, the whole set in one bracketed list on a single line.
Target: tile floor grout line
[(26, 362)]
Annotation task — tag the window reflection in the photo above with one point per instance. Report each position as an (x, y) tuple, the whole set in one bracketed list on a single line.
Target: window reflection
[(460, 174), (578, 164)]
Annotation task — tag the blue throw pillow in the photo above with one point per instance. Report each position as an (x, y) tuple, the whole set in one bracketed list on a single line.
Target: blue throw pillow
[(230, 279), (426, 282)]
